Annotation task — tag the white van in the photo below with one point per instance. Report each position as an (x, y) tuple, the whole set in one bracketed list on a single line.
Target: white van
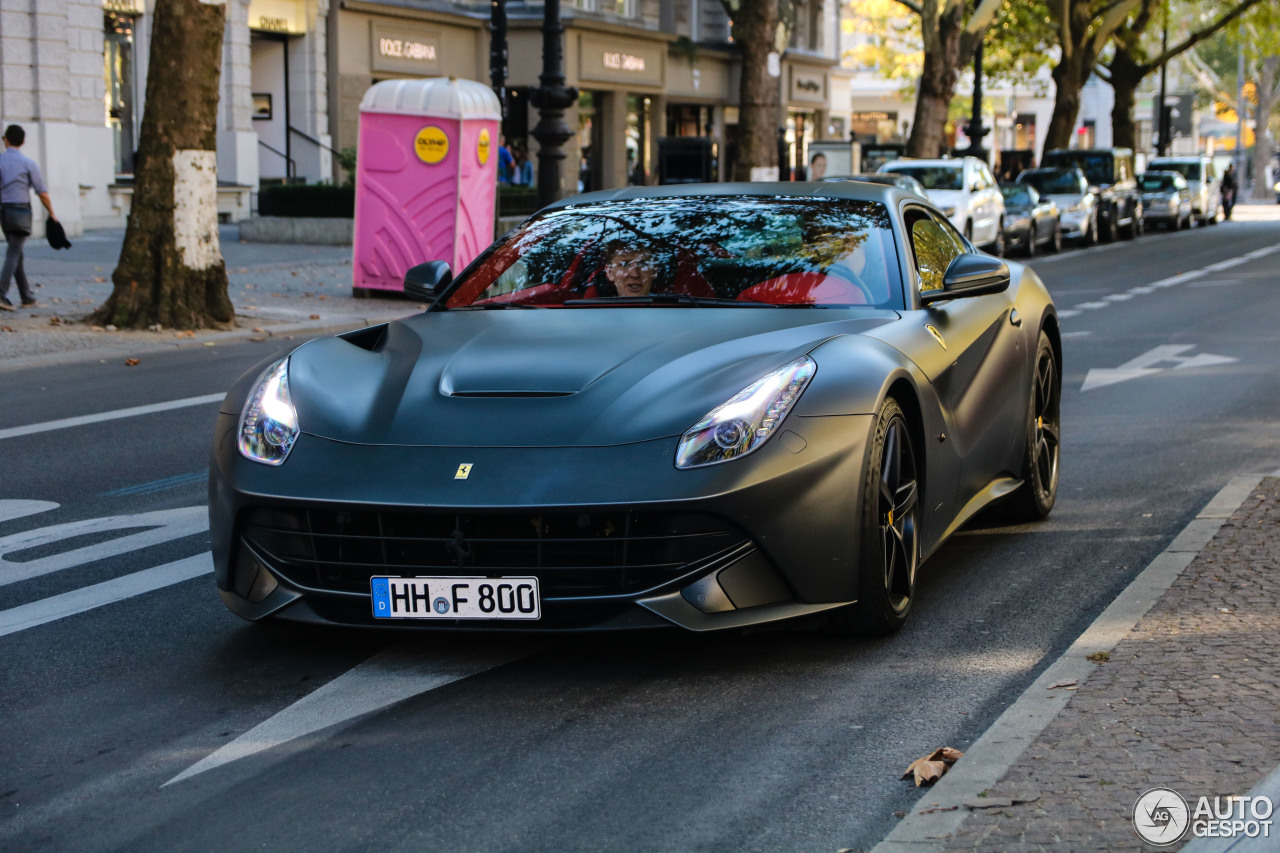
[(1202, 179)]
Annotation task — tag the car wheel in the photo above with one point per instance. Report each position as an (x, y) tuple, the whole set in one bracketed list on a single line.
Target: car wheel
[(1031, 241), (968, 231), (997, 248), (889, 552), (1055, 242), (1176, 224), (1035, 498)]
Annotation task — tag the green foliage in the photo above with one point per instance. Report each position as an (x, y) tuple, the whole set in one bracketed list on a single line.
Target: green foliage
[(347, 160), (320, 200)]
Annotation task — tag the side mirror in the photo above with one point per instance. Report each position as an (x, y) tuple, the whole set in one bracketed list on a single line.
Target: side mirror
[(970, 274), (427, 281)]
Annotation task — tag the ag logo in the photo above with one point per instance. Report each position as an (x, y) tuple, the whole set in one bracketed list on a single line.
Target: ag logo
[(464, 471), (482, 146), (431, 145), (1161, 816)]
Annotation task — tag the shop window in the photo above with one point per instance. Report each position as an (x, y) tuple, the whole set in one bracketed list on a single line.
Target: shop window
[(118, 77)]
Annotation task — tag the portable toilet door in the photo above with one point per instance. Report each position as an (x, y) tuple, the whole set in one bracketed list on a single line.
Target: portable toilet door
[(426, 178)]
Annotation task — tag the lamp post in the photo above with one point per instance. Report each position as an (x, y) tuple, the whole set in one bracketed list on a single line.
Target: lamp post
[(975, 130), (498, 51), (1162, 143), (551, 99)]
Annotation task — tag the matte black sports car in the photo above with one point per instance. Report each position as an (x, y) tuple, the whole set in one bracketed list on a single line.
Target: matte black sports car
[(706, 406)]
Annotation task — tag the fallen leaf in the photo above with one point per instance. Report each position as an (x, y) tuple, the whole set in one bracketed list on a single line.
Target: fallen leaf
[(99, 279), (930, 768), (315, 316), (130, 362), (322, 296), (7, 329), (55, 321), (258, 330)]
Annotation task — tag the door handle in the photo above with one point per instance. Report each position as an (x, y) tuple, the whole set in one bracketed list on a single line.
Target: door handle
[(1014, 317)]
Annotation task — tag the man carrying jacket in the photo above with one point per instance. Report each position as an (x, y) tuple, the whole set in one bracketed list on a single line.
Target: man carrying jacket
[(19, 175)]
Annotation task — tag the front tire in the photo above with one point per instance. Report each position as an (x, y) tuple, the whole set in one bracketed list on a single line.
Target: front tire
[(889, 518), (1035, 498), (1055, 242)]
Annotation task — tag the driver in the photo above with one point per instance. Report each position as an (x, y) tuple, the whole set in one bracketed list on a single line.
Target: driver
[(630, 269)]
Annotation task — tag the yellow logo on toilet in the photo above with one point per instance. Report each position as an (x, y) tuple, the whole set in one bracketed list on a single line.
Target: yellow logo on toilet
[(482, 146), (431, 145)]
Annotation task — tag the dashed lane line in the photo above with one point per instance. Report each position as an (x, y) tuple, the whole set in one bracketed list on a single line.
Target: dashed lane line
[(66, 423)]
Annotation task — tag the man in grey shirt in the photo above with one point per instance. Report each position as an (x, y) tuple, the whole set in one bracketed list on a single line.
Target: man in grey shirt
[(19, 175)]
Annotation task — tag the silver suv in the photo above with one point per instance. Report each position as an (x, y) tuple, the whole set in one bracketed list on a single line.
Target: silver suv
[(1203, 181)]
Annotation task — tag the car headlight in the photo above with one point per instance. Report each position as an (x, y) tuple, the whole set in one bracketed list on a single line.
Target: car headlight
[(268, 421), (1076, 208), (744, 422)]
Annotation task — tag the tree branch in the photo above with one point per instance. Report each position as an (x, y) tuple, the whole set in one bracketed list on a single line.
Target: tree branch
[(914, 7), (1198, 36)]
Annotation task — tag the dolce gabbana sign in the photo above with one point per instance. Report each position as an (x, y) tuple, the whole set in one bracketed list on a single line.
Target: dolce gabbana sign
[(404, 49), (616, 61)]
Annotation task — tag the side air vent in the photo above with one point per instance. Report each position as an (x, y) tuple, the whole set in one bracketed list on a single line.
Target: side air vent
[(511, 394)]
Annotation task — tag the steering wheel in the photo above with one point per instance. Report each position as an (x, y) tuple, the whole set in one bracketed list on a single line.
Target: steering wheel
[(844, 271)]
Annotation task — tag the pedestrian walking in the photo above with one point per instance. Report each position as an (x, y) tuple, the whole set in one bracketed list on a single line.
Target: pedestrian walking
[(19, 175), (1229, 187)]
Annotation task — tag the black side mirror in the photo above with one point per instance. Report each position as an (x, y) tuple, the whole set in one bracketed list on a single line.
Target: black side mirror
[(970, 274), (427, 281)]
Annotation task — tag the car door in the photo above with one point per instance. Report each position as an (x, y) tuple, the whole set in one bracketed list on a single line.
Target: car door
[(973, 352)]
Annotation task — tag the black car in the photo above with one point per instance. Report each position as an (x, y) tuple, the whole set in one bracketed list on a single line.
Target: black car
[(1111, 178), (1030, 219), (707, 406)]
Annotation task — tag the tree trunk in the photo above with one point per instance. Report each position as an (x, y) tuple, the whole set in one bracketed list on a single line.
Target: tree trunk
[(1262, 148), (937, 82), (754, 27), (171, 270), (1126, 75), (1069, 76)]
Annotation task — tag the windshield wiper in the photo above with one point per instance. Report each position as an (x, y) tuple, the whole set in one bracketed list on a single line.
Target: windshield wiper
[(493, 306), (664, 299)]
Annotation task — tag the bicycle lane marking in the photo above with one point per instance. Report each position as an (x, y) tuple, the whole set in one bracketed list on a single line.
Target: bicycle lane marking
[(66, 423)]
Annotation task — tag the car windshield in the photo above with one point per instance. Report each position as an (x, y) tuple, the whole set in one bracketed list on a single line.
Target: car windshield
[(1190, 171), (1055, 182), (1156, 183), (1098, 168), (935, 177), (1016, 195), (691, 251)]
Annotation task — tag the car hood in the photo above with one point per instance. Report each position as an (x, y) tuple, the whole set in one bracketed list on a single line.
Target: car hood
[(948, 198), (552, 377)]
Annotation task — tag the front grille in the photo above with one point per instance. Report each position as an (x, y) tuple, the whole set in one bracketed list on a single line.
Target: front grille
[(573, 555)]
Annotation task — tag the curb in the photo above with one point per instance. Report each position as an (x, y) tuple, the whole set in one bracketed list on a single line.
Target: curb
[(937, 816)]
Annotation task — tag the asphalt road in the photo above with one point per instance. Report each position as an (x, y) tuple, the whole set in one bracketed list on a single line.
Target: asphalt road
[(117, 677)]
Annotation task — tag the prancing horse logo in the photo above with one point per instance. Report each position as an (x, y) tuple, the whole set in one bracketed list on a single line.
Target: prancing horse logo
[(464, 471)]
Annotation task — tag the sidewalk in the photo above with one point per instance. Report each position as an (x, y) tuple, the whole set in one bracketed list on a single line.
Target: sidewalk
[(278, 291), (1176, 685)]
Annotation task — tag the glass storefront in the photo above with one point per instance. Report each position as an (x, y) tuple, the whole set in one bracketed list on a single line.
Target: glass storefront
[(118, 71)]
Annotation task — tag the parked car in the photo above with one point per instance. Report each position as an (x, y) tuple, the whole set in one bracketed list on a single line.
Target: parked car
[(1166, 200), (966, 191), (1203, 182), (1030, 219), (1068, 189), (686, 456), (903, 182), (1111, 178)]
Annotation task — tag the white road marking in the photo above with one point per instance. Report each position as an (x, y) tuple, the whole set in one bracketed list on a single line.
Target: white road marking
[(1227, 264), (11, 509), (1144, 365), (398, 673), (1091, 306), (1067, 314), (163, 526), (108, 592), (1221, 282), (1142, 291), (1118, 297), (1262, 253), (65, 423)]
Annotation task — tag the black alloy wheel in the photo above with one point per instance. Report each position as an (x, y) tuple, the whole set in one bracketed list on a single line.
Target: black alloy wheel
[(1092, 238), (1112, 229), (889, 552), (1039, 490), (997, 248)]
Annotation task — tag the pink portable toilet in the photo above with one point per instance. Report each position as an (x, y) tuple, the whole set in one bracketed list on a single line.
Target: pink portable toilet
[(426, 177)]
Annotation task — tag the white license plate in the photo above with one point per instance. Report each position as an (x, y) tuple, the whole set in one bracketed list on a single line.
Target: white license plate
[(455, 598)]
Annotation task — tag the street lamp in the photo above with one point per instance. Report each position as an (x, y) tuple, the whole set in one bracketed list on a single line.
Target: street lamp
[(551, 99), (1162, 127), (975, 131)]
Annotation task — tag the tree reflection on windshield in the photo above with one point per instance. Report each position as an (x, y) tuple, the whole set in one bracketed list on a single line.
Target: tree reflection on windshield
[(744, 249)]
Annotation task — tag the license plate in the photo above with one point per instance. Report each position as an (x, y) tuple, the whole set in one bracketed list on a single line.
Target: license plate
[(455, 598)]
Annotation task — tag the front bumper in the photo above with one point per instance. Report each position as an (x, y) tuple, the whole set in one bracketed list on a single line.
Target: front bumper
[(786, 517), (1075, 224)]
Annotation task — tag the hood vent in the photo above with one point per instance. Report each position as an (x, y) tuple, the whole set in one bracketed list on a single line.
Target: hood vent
[(370, 339), (511, 394)]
